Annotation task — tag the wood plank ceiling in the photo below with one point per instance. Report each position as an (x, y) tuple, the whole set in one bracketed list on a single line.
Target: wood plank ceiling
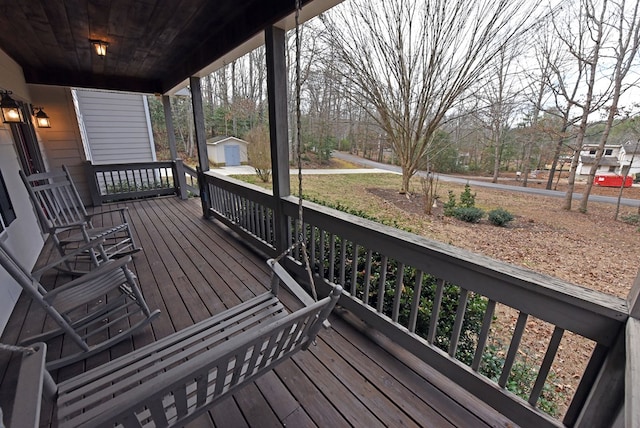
[(153, 44)]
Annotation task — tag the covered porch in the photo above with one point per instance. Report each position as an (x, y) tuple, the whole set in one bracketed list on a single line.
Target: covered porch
[(192, 268), (389, 360)]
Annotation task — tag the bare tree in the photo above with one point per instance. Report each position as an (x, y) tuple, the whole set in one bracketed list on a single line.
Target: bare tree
[(412, 60), (499, 94), (582, 31), (537, 92), (627, 29)]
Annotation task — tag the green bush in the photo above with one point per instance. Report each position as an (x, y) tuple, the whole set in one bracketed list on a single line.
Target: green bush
[(467, 199), (450, 205), (465, 210), (522, 377), (500, 217), (468, 214)]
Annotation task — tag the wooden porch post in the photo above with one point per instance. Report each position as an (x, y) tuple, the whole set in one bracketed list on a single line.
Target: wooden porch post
[(616, 390), (632, 364), (201, 141), (278, 126), (168, 120), (94, 188)]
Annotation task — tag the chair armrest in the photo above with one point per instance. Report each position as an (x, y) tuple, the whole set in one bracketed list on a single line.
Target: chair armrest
[(122, 212), (91, 245), (76, 225), (104, 268), (293, 286)]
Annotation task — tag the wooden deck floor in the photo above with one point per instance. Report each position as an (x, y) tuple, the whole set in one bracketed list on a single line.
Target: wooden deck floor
[(191, 268)]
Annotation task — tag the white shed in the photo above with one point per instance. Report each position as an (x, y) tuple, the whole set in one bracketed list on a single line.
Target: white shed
[(227, 151)]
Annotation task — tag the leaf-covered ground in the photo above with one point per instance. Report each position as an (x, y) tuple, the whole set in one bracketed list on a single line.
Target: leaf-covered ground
[(589, 249)]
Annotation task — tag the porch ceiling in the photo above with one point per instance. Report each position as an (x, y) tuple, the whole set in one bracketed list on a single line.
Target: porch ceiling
[(154, 45)]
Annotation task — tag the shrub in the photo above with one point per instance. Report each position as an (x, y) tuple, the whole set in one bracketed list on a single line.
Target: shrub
[(468, 214), (450, 205), (522, 377), (259, 152), (467, 199), (500, 217)]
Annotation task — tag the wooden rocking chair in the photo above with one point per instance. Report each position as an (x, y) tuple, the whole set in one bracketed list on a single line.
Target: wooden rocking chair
[(110, 293), (61, 211), (174, 380)]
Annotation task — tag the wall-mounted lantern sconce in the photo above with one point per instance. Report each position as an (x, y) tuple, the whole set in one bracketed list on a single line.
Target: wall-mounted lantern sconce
[(100, 46), (42, 119), (11, 112)]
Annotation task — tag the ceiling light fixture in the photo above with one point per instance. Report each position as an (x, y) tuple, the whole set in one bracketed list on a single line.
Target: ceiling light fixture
[(100, 46), (42, 119), (11, 112)]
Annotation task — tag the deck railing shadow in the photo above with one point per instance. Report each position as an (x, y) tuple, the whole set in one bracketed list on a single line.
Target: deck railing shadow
[(439, 303)]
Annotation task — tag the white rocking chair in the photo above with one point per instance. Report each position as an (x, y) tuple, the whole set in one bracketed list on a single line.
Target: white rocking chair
[(61, 211), (80, 307)]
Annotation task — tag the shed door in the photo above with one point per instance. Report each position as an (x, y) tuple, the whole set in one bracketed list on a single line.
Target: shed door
[(232, 155)]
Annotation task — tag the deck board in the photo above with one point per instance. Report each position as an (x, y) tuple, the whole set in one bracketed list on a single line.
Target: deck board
[(191, 268)]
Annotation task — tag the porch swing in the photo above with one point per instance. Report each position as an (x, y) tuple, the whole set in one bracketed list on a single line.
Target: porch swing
[(175, 379)]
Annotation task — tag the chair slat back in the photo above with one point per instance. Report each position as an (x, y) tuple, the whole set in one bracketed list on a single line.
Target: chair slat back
[(55, 198)]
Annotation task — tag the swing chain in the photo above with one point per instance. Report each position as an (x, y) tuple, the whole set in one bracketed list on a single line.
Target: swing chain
[(300, 239), (14, 348)]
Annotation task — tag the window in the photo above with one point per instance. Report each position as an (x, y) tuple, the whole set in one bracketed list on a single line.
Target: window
[(608, 152), (6, 207), (592, 152)]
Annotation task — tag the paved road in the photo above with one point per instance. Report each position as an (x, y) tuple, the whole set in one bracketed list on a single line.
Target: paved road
[(449, 178), (249, 170)]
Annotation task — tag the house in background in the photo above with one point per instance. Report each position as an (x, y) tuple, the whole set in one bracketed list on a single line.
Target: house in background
[(609, 163), (227, 151), (630, 158), (616, 157)]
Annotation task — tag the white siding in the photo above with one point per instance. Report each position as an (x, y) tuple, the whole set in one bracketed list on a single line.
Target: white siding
[(23, 236), (62, 144), (117, 126)]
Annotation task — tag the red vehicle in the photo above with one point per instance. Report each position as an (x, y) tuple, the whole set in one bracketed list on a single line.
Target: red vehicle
[(612, 180)]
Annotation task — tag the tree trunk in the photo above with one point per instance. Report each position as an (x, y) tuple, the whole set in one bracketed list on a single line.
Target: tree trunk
[(496, 163), (554, 163), (407, 173), (571, 180)]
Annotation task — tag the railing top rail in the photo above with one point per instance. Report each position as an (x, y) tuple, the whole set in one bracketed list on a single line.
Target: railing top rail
[(187, 168), (128, 166), (242, 188)]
